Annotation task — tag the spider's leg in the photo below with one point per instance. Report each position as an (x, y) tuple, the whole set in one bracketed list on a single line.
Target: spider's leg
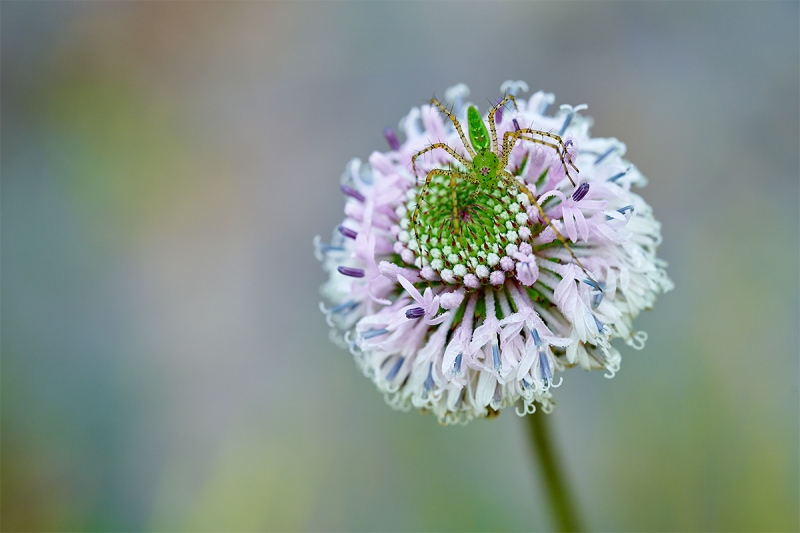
[(455, 122), (434, 146), (452, 174), (495, 148), (557, 149), (511, 137), (474, 194), (509, 181), (454, 204), (560, 142)]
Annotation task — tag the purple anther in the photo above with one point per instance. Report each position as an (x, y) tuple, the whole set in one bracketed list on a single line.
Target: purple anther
[(347, 232), (516, 124), (352, 193), (580, 192), (352, 272), (498, 116), (415, 312), (391, 138)]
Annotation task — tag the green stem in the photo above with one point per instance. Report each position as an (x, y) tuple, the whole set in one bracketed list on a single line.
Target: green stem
[(555, 487)]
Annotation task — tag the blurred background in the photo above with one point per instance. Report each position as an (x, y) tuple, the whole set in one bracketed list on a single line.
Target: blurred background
[(164, 363)]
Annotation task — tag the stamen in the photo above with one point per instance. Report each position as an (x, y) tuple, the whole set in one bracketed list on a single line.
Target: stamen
[(457, 363), (342, 307), (597, 299), (497, 394), (605, 154), (365, 174), (496, 357), (621, 211), (415, 312), (498, 115), (352, 193), (514, 87), (536, 339), (567, 122), (617, 176), (600, 326), (395, 369), (516, 124), (391, 138), (547, 372), (352, 272), (321, 248), (598, 286), (580, 192), (429, 380), (546, 102), (370, 333), (347, 232)]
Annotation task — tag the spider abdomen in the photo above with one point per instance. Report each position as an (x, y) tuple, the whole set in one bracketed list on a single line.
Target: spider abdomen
[(478, 136)]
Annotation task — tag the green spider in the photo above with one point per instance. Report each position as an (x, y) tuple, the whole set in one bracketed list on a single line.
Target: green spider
[(488, 165)]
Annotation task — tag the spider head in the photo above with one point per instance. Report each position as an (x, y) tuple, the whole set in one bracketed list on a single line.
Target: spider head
[(484, 167)]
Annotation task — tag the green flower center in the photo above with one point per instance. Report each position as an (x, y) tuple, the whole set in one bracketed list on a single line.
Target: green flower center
[(466, 230)]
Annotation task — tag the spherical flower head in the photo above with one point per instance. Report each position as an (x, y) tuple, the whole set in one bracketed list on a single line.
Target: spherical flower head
[(485, 254)]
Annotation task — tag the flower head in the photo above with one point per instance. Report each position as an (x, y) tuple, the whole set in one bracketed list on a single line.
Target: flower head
[(471, 269)]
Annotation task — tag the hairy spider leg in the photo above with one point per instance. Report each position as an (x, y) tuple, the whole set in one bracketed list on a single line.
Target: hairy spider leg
[(543, 143), (510, 181), (452, 174), (492, 124), (557, 139), (553, 136), (510, 138), (457, 125), (432, 147)]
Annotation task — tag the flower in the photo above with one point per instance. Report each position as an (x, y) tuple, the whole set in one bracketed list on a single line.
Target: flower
[(461, 297)]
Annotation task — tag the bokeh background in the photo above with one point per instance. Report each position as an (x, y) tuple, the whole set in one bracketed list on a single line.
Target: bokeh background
[(164, 363)]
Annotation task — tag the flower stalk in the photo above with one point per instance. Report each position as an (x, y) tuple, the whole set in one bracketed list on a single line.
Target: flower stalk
[(562, 502)]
